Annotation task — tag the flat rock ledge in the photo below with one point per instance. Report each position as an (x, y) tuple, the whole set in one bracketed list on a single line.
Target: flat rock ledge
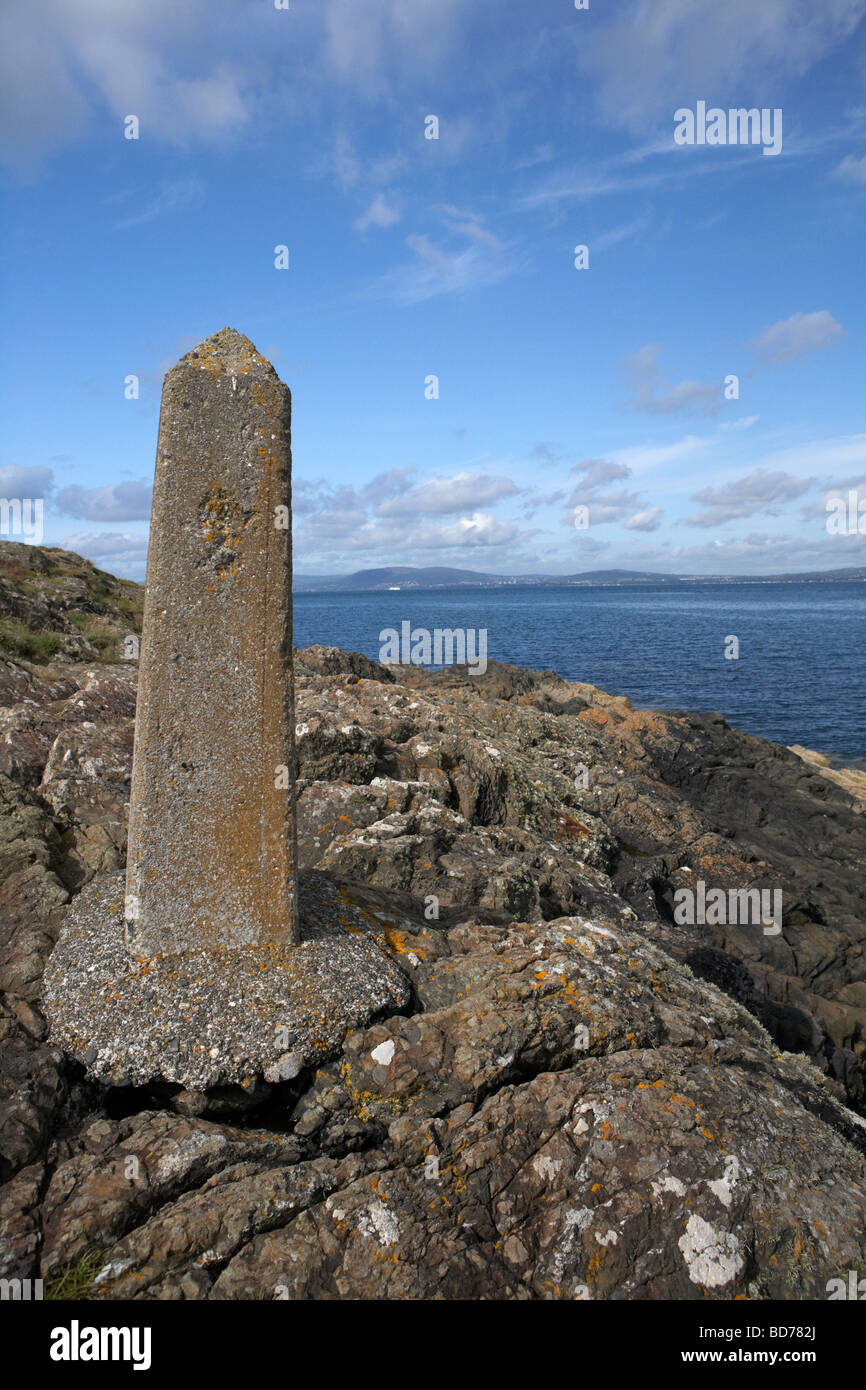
[(203, 1020)]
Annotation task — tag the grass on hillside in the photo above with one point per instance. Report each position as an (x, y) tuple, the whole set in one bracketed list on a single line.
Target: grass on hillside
[(20, 640)]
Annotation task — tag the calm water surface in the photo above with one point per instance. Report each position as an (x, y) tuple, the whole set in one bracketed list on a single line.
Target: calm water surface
[(800, 677)]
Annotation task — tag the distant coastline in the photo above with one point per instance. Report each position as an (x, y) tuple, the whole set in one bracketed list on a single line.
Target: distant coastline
[(397, 578)]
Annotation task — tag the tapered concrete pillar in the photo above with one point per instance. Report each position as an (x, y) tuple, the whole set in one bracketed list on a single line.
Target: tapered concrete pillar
[(189, 968), (211, 858)]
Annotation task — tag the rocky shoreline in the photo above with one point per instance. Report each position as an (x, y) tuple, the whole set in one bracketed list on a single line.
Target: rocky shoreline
[(581, 1098)]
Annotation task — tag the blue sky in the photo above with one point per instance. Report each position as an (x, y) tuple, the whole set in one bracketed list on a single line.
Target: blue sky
[(412, 257)]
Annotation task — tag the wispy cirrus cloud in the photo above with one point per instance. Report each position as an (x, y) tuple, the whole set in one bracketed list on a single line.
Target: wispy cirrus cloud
[(463, 254), (852, 168), (176, 195)]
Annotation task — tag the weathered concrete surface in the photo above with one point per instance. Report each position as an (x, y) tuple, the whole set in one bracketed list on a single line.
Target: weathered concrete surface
[(208, 1019), (211, 859)]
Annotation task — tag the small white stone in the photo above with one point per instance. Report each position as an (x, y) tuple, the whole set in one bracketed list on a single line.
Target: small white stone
[(384, 1053)]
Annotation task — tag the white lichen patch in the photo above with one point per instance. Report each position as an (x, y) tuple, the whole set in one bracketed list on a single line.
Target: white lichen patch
[(575, 1223), (377, 1221), (180, 1159), (669, 1184), (546, 1167), (723, 1187), (599, 931), (712, 1257)]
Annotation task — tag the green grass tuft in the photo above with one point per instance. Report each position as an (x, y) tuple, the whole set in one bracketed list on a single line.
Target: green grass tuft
[(21, 640), (75, 1280)]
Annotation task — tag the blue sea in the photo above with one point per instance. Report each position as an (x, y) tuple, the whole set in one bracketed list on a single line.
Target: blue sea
[(800, 676)]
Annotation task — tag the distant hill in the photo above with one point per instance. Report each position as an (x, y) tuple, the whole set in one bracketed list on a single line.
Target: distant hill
[(440, 577), (55, 604), (406, 576)]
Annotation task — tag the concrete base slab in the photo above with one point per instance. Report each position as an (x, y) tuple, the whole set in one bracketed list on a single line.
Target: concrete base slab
[(202, 1019)]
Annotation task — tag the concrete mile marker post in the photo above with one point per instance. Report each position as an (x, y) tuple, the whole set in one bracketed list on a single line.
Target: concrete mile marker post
[(194, 968), (211, 858)]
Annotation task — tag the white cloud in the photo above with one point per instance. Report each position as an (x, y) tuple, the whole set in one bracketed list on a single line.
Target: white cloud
[(380, 213), (16, 481), (645, 521), (745, 423), (117, 502), (606, 507), (760, 553), (595, 473), (65, 62), (480, 529), (392, 522), (626, 231), (653, 393), (659, 54), (458, 493), (169, 197), (643, 457), (364, 48), (852, 168), (823, 456), (795, 337), (760, 491), (468, 256), (396, 542), (542, 154), (345, 162), (119, 552)]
